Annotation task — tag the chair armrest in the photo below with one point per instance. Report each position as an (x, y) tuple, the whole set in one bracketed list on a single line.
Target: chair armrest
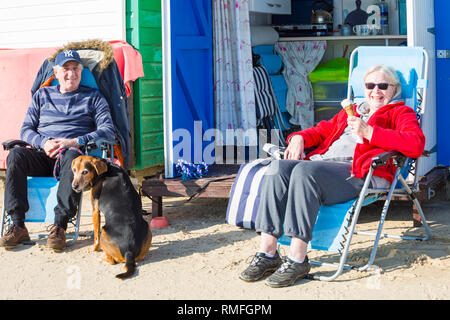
[(11, 143), (275, 151), (382, 159), (99, 143)]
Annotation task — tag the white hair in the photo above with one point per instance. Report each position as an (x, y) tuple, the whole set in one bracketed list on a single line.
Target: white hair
[(391, 74)]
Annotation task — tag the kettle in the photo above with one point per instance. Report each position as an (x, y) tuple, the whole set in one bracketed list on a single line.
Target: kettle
[(321, 16)]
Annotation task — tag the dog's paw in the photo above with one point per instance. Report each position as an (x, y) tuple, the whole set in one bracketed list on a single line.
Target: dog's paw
[(109, 259), (93, 250)]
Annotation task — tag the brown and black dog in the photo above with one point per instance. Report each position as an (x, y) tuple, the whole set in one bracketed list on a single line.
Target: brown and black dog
[(126, 236)]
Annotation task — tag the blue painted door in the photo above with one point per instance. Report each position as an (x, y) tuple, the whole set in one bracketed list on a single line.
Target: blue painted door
[(191, 66), (442, 27)]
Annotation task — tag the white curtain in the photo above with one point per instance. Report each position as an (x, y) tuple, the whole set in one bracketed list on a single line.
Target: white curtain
[(234, 101), (299, 59)]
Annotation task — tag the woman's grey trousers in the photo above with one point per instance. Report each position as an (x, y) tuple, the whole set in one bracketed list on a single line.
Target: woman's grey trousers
[(293, 191)]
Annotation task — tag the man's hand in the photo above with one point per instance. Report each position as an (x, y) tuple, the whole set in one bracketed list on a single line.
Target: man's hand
[(52, 147), (294, 150)]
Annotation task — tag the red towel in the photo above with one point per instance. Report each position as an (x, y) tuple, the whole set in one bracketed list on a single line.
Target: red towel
[(129, 62)]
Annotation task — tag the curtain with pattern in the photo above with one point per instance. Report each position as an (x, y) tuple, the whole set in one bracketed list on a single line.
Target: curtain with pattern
[(234, 101), (300, 58)]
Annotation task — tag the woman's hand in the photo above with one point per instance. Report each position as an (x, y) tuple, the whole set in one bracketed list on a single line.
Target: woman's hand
[(294, 150), (360, 127)]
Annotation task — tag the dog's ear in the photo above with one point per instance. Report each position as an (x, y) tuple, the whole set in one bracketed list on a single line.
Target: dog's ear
[(100, 166)]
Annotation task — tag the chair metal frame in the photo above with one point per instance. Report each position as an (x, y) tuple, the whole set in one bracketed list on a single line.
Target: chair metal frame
[(101, 148), (366, 193)]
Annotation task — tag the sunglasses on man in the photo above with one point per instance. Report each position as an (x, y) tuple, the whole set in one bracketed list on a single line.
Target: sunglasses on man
[(381, 86)]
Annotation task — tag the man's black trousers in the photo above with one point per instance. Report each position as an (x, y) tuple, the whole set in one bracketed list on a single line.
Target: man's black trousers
[(22, 162)]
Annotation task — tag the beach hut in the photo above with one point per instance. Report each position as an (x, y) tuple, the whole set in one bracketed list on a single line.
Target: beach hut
[(35, 28)]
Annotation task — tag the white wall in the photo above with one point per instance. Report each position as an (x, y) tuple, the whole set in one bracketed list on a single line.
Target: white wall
[(48, 23)]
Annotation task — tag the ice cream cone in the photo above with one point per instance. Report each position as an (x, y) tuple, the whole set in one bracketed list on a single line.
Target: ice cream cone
[(349, 110), (347, 104)]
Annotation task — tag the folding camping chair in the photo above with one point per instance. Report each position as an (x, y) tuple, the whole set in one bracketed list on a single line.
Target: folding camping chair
[(42, 190), (336, 224)]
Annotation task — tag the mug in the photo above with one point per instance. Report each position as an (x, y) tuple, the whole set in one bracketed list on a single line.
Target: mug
[(346, 30), (361, 30), (374, 29)]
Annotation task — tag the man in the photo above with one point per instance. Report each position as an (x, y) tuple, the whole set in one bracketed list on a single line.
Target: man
[(62, 116)]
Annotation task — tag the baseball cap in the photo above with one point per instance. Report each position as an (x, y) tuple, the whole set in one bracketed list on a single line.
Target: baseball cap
[(67, 55)]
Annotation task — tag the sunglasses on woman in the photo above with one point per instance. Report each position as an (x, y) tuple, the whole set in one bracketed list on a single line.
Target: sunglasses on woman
[(381, 86)]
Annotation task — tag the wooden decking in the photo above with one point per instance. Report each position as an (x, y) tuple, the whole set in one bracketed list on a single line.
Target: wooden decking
[(217, 184)]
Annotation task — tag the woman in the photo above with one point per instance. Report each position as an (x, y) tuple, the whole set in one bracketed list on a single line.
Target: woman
[(293, 190)]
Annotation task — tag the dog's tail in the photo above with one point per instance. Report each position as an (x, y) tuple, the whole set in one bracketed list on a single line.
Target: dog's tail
[(130, 266)]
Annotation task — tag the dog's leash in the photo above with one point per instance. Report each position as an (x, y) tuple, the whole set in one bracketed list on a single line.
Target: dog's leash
[(57, 166)]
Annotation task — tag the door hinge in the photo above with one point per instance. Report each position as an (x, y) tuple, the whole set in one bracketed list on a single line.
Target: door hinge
[(443, 54)]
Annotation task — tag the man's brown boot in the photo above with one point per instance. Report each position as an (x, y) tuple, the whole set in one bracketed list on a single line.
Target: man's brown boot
[(15, 236), (57, 238)]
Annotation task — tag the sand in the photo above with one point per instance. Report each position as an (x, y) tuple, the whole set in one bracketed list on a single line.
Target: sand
[(199, 256)]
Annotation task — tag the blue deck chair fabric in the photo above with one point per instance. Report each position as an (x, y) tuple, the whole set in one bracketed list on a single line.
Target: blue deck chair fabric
[(407, 61), (330, 230), (280, 88), (41, 199)]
